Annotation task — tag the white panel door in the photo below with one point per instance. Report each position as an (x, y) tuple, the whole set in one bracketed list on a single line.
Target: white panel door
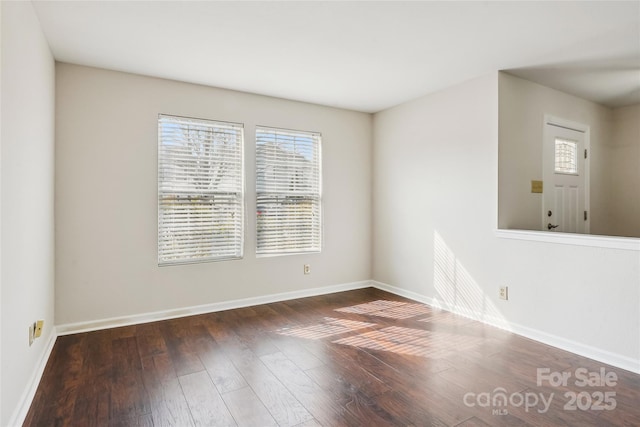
[(565, 165)]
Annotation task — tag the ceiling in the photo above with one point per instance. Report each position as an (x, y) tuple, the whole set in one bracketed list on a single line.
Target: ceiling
[(364, 56)]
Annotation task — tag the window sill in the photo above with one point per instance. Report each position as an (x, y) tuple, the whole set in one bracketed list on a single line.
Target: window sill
[(610, 242), (276, 254)]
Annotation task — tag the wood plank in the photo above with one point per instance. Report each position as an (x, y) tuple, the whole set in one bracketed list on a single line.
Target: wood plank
[(206, 404), (150, 339), (352, 395), (177, 339), (168, 404), (325, 409), (282, 405), (220, 368), (129, 397), (247, 409), (473, 422), (92, 406)]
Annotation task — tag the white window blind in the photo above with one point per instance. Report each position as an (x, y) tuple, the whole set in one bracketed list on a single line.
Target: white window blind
[(200, 190), (288, 191)]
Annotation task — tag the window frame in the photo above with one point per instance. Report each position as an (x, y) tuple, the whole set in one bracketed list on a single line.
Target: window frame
[(317, 136), (241, 194)]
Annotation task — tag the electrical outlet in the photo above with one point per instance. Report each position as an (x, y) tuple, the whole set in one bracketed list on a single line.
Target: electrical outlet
[(504, 293), (32, 334), (307, 269), (38, 331)]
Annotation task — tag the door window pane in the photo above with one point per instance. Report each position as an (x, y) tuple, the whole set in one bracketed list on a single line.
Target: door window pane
[(566, 156)]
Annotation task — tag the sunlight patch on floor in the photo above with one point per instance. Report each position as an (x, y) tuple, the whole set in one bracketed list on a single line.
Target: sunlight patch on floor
[(329, 326), (388, 309), (446, 318), (415, 342)]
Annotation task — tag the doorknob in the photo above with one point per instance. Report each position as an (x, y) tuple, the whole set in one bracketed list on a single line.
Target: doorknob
[(551, 226)]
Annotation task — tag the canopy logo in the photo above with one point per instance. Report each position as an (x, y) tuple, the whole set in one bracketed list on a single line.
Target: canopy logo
[(591, 396), (498, 399)]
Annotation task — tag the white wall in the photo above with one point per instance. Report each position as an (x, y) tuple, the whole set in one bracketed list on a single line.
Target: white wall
[(27, 190), (435, 213), (106, 197), (522, 106), (625, 169)]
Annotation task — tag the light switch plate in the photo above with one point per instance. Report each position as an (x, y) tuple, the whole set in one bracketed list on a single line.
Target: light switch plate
[(536, 186)]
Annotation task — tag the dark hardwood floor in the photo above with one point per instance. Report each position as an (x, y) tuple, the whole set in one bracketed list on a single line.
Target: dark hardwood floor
[(359, 358)]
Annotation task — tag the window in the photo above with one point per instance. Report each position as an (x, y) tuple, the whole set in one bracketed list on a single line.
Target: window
[(566, 156), (200, 190), (288, 191)]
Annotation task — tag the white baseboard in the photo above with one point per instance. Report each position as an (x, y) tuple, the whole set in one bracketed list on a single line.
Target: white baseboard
[(20, 413), (594, 353), (591, 352), (405, 293), (114, 322)]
